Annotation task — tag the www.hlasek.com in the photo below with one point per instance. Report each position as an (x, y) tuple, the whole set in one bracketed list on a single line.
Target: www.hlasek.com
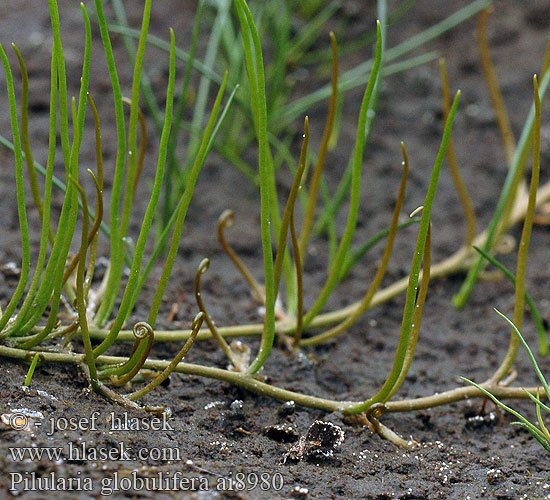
[(82, 451), (161, 481)]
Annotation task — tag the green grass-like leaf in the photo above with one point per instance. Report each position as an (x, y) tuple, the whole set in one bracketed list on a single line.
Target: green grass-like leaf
[(20, 187), (128, 296), (335, 269), (410, 300), (523, 422), (255, 69)]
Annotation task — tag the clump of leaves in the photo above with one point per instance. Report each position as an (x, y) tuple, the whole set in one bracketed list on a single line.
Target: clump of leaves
[(58, 274), (540, 433)]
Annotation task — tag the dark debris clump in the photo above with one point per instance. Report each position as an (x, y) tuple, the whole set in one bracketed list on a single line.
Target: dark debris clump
[(322, 439)]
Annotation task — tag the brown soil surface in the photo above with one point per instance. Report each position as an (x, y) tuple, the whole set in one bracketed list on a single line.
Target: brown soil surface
[(459, 457)]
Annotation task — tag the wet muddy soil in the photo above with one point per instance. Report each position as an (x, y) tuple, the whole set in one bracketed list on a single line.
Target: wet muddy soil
[(220, 441)]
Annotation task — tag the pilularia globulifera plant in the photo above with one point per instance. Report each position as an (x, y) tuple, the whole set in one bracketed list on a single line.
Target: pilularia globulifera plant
[(31, 326)]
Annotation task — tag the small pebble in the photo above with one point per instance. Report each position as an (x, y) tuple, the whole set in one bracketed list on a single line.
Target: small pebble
[(236, 409)]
